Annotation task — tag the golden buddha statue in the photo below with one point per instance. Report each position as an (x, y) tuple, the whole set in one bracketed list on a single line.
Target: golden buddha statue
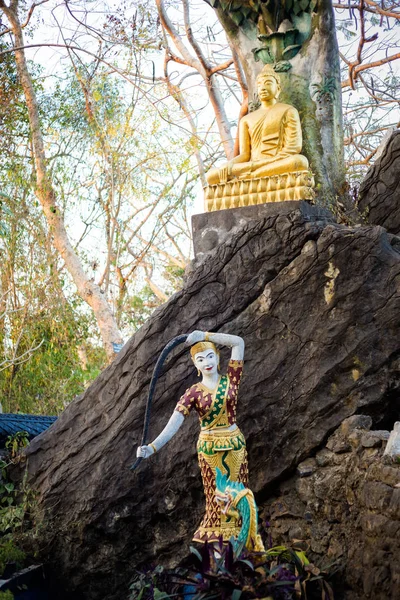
[(269, 167)]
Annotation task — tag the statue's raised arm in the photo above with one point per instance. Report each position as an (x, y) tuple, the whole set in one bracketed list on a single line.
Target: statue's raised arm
[(223, 339), (165, 436), (210, 376)]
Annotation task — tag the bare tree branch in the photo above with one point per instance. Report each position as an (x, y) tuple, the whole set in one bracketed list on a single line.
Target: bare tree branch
[(28, 18), (371, 65)]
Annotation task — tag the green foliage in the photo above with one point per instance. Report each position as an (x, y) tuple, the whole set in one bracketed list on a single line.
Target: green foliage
[(16, 507), (53, 374), (42, 318), (139, 307), (4, 214), (13, 112), (15, 443), (280, 573), (9, 553), (6, 595), (16, 503), (244, 13), (42, 324), (12, 512)]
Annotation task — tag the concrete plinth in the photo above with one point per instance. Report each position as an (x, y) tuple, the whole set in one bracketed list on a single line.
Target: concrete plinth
[(212, 228)]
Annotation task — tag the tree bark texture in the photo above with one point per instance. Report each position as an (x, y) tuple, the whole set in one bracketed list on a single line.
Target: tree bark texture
[(318, 307), (379, 194), (200, 63), (312, 85), (87, 289)]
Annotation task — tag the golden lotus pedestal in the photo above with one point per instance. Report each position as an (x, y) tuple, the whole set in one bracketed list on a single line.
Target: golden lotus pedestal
[(248, 192)]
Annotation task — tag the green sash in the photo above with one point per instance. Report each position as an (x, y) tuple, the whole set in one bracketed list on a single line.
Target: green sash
[(218, 404)]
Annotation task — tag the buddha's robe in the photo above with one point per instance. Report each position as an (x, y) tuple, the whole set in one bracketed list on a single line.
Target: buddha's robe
[(276, 134), (275, 145)]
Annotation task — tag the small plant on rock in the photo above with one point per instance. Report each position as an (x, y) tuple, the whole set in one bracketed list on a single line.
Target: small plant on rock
[(16, 442), (229, 572)]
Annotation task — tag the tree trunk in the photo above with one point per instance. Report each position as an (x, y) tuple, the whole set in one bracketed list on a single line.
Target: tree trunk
[(87, 289), (311, 84)]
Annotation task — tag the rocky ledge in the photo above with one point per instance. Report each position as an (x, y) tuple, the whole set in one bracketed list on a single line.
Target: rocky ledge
[(343, 505)]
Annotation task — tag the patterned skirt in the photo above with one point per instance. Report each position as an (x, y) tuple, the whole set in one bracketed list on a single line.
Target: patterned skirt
[(227, 451)]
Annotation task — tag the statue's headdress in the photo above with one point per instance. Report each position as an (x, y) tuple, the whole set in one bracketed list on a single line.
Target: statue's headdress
[(201, 346)]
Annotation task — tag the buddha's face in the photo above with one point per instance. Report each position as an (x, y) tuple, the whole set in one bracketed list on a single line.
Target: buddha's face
[(267, 88), (206, 362)]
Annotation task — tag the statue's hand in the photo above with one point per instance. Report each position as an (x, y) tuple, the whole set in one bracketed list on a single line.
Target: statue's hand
[(195, 336), (144, 451), (223, 173)]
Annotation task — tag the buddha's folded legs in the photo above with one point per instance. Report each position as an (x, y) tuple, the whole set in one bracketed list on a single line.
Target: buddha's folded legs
[(253, 170), (296, 162)]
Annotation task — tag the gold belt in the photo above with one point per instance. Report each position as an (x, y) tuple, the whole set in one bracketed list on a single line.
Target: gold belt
[(210, 434)]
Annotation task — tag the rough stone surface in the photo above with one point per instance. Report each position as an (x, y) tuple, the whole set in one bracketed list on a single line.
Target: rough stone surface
[(373, 439), (338, 443), (392, 450), (324, 458), (379, 196), (307, 467), (213, 228), (318, 307), (350, 517), (356, 422)]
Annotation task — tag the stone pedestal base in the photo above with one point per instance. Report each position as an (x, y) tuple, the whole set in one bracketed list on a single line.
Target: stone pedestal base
[(249, 192), (212, 229)]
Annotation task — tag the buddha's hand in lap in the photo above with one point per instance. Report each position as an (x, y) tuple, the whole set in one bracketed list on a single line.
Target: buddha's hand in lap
[(194, 337), (144, 451), (223, 173)]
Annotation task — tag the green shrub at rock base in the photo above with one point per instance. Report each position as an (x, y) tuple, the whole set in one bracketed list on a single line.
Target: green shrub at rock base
[(9, 553), (6, 595), (17, 507), (16, 502), (226, 572)]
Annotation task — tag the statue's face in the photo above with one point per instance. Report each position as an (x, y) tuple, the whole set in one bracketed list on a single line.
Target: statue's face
[(267, 88), (206, 362)]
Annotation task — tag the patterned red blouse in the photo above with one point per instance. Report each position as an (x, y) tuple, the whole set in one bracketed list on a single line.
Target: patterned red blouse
[(201, 399)]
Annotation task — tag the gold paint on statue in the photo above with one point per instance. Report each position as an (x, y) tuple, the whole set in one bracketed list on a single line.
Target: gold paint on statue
[(279, 188), (269, 167), (227, 451)]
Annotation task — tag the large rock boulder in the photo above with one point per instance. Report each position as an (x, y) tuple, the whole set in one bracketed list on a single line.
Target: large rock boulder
[(379, 194), (318, 306)]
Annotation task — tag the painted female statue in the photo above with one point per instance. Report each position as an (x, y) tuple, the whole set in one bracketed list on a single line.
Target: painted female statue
[(221, 443)]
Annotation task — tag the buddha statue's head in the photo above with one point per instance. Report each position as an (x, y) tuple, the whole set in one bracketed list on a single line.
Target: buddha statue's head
[(268, 84), (205, 357)]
